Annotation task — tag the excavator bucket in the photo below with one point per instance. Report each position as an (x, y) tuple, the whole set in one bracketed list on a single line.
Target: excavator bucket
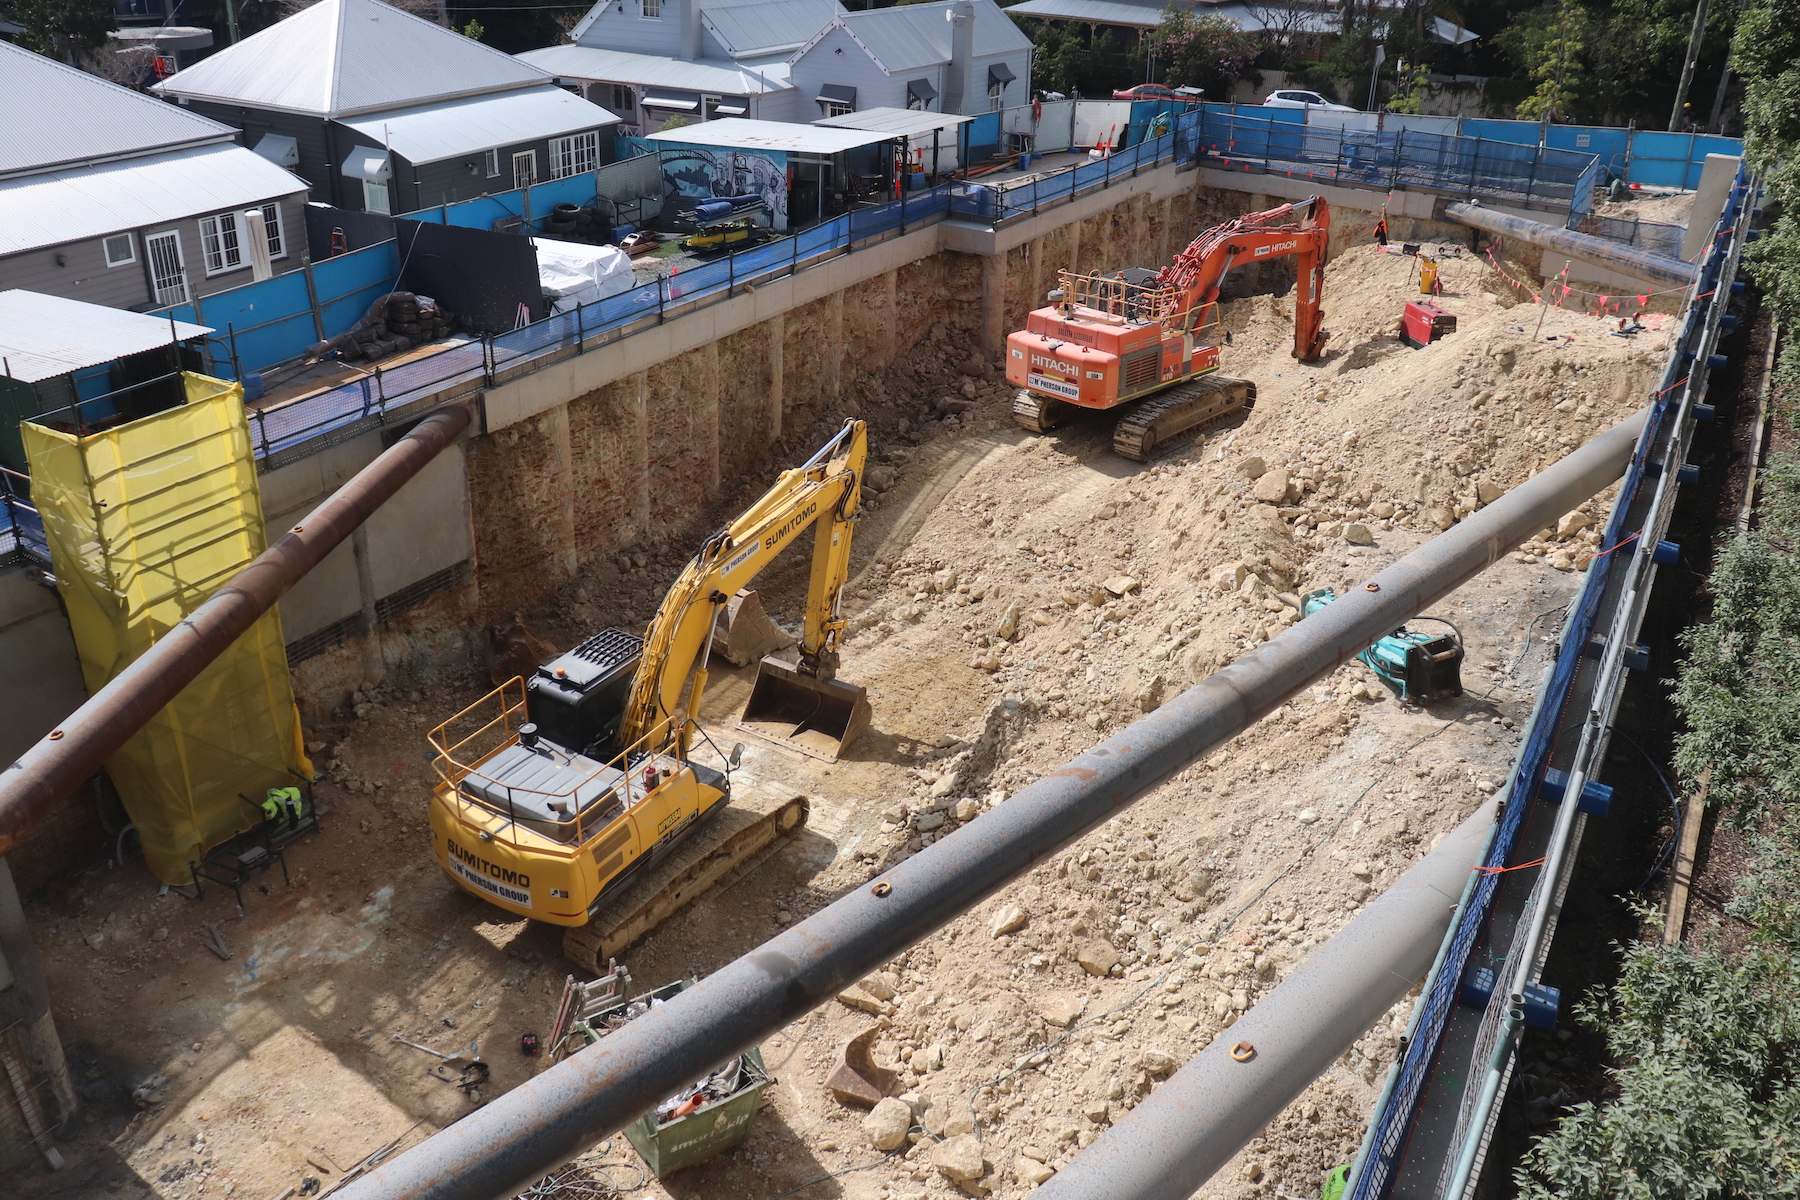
[(818, 717), (745, 632)]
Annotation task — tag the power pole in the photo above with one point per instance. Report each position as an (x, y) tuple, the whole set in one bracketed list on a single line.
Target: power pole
[(1687, 66), (231, 33)]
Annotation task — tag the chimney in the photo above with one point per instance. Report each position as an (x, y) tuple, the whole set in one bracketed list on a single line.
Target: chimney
[(690, 29), (957, 82)]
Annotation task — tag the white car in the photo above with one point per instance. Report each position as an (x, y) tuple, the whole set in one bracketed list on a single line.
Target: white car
[(1288, 98)]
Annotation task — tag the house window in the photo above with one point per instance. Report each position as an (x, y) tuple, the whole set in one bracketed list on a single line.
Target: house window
[(524, 168), (999, 75), (623, 102), (219, 243), (493, 164), (375, 197), (574, 155), (836, 99), (650, 10), (709, 108), (120, 250), (272, 229)]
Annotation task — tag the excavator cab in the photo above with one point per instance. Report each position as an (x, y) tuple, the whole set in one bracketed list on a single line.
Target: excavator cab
[(814, 714)]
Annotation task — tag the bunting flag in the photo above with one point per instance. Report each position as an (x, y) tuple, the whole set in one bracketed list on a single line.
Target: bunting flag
[(1560, 291)]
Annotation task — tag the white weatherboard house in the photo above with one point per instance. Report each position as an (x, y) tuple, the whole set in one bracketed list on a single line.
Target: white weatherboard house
[(790, 60), (111, 197), (959, 56), (649, 60)]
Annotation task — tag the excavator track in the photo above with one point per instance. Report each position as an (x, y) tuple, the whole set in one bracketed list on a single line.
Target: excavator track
[(1040, 414), (754, 820), (1156, 419)]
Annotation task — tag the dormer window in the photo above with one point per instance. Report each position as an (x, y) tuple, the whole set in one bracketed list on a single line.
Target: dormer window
[(650, 10)]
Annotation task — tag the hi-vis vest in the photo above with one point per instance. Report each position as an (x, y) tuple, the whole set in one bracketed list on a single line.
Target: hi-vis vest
[(272, 802)]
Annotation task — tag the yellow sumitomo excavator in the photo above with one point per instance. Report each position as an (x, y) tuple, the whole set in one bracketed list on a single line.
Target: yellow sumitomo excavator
[(570, 796)]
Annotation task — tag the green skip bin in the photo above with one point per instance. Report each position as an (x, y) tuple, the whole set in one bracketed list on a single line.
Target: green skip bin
[(701, 1120)]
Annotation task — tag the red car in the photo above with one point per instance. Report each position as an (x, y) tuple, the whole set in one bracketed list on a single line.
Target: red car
[(1158, 91)]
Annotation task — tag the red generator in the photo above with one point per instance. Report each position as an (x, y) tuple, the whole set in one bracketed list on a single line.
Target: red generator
[(1424, 322)]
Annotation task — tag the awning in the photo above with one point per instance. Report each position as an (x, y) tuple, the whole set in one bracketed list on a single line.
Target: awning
[(670, 102), (368, 164), (836, 93), (730, 110), (279, 149), (1000, 73), (920, 91)]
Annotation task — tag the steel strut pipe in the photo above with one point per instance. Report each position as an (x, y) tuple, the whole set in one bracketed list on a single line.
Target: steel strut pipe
[(1639, 264), (514, 1140), (76, 748), (1210, 1109)]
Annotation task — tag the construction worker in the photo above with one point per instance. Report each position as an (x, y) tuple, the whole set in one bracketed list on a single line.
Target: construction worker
[(282, 806)]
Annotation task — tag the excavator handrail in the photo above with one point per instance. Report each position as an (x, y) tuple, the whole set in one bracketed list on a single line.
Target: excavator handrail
[(460, 770)]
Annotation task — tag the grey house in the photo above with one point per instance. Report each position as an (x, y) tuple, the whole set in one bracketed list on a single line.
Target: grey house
[(383, 111), (957, 56), (649, 60), (111, 197)]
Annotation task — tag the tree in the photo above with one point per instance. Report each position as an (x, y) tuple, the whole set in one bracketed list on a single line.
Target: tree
[(61, 29), (473, 30), (1766, 53), (1549, 45), (1201, 49), (1409, 88)]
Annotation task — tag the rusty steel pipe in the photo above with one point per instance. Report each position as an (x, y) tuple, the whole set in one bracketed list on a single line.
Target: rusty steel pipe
[(76, 748), (1639, 264), (515, 1139)]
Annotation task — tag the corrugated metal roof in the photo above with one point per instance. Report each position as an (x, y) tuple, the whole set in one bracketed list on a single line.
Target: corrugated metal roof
[(895, 122), (341, 57), (447, 128), (738, 133), (911, 36), (1254, 18), (46, 336), (750, 27), (1138, 14), (56, 114), (86, 202), (659, 71)]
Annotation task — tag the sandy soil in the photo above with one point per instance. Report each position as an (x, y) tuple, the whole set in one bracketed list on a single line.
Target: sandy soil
[(984, 626)]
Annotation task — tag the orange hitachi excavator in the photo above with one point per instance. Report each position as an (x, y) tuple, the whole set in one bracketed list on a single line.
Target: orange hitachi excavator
[(1152, 337)]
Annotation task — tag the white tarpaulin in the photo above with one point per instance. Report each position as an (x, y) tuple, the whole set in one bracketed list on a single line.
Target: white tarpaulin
[(1098, 121), (574, 273)]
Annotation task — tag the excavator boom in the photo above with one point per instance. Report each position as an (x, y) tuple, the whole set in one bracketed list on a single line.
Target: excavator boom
[(821, 493)]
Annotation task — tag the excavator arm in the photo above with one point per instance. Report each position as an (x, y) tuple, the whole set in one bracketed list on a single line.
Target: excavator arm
[(822, 494), (1199, 270)]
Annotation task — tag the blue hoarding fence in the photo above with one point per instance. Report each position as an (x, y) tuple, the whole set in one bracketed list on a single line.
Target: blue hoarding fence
[(1392, 1125), (289, 430), (1476, 167), (624, 182), (261, 324)]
